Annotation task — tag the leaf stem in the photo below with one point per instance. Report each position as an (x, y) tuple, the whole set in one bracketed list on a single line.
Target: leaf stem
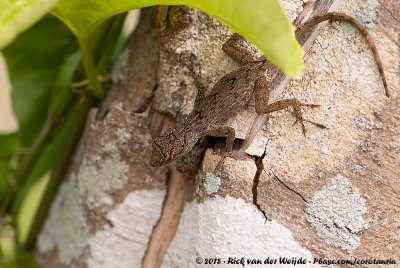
[(90, 69)]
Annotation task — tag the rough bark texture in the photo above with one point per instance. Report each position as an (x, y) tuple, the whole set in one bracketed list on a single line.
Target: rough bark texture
[(332, 195)]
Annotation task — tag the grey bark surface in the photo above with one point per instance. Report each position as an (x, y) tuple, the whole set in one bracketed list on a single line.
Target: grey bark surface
[(332, 195)]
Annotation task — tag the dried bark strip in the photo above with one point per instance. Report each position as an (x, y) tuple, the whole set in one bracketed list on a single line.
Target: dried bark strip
[(165, 229)]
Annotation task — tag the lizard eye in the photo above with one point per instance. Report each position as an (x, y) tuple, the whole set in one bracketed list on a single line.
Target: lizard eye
[(170, 155)]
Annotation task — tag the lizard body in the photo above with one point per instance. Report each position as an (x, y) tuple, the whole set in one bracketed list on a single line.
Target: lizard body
[(231, 93), (235, 89)]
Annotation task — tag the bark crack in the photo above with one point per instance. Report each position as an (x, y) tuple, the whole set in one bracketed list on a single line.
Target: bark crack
[(287, 187), (256, 180), (388, 10)]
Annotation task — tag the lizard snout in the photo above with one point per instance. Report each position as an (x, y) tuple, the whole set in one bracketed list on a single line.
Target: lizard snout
[(156, 157)]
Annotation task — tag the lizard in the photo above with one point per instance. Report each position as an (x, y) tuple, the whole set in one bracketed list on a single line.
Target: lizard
[(233, 91)]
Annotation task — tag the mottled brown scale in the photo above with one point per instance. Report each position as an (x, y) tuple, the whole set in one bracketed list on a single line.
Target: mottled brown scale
[(233, 91)]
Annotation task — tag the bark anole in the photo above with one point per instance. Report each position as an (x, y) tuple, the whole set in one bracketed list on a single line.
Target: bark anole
[(233, 91)]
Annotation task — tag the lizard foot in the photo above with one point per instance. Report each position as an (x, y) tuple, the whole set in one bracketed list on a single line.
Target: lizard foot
[(296, 104), (222, 160), (299, 115)]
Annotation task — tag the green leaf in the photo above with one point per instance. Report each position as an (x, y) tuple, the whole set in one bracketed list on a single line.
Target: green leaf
[(18, 15), (33, 62), (44, 163), (9, 144), (41, 63), (106, 37), (29, 207), (6, 170), (7, 241), (23, 260), (262, 22)]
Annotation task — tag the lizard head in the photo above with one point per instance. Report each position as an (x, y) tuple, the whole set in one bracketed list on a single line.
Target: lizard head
[(166, 148)]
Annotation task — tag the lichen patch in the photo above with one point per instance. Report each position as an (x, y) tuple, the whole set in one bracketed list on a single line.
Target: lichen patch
[(109, 173), (366, 15), (336, 214), (211, 183), (65, 227)]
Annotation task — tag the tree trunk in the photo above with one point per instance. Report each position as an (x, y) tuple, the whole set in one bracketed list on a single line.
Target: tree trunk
[(331, 195)]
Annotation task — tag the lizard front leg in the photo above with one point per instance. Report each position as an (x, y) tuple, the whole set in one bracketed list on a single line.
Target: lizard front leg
[(239, 49), (225, 132), (236, 47), (262, 107)]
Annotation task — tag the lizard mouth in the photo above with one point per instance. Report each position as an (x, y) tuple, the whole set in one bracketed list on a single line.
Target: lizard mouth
[(156, 157)]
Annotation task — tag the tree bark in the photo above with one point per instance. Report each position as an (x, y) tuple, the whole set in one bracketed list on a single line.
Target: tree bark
[(330, 195)]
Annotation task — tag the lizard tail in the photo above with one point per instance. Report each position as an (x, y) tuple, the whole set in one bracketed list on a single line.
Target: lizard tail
[(305, 27)]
